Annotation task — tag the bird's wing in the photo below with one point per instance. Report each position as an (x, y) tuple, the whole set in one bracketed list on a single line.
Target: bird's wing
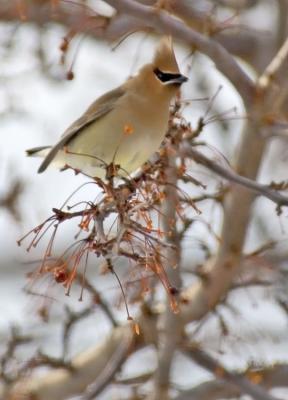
[(97, 110)]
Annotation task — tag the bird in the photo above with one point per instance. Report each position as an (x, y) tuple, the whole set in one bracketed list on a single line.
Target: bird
[(123, 127)]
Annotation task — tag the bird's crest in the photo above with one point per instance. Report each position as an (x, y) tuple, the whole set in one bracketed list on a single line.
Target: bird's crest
[(164, 58)]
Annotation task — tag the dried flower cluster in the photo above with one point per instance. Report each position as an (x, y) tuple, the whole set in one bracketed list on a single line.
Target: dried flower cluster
[(135, 233)]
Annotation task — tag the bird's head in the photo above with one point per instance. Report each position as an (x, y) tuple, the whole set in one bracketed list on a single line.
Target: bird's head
[(162, 76), (165, 67)]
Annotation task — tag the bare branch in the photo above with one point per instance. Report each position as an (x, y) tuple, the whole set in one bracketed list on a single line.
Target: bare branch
[(211, 390), (230, 175), (96, 366), (170, 325), (272, 71), (268, 377), (240, 381)]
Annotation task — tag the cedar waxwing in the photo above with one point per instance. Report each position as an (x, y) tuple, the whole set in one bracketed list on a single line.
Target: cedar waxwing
[(124, 126)]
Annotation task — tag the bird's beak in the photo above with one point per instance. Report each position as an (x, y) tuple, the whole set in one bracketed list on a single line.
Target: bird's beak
[(178, 80)]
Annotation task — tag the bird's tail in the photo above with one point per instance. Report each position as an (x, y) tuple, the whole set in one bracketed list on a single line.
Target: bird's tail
[(41, 151)]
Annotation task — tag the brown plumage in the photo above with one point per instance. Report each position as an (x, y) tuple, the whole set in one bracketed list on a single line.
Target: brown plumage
[(125, 125)]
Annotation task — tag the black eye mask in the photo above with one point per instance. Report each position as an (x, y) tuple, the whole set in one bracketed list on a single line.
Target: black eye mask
[(165, 77)]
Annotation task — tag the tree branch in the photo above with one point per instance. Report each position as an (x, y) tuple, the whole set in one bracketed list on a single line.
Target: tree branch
[(170, 330), (98, 363), (218, 389), (238, 380), (230, 175), (162, 22)]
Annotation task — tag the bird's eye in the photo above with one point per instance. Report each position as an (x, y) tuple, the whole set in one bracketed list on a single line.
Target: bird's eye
[(165, 77), (160, 75)]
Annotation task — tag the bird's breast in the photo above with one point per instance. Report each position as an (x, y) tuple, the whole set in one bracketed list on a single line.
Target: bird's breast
[(126, 136)]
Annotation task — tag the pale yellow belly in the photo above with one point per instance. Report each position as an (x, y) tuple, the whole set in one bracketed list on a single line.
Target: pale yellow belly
[(125, 143)]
